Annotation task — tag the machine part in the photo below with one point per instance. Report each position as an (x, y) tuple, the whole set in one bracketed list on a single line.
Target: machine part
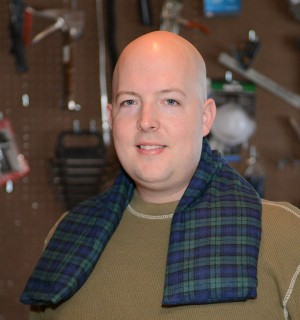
[(9, 187), (102, 72), (246, 55), (111, 33), (232, 125), (284, 162), (81, 167), (71, 23), (145, 12), (254, 172), (5, 165), (58, 25), (93, 125), (25, 100), (261, 80), (221, 7), (193, 25), (16, 28), (69, 74), (170, 13), (294, 160), (13, 165), (76, 126), (294, 6), (295, 126), (171, 18), (80, 144)]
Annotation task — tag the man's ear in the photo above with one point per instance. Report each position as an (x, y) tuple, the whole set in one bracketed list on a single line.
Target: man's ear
[(209, 114), (109, 114)]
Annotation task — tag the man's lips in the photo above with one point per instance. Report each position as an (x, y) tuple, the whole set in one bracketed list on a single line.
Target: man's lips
[(150, 147)]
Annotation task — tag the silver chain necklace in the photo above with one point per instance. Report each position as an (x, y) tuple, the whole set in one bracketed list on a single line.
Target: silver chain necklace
[(147, 216)]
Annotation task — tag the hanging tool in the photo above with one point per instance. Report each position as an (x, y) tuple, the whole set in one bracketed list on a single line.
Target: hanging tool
[(13, 165), (295, 126), (246, 55), (145, 11), (240, 63), (294, 6), (254, 172), (71, 23), (171, 18), (102, 72), (78, 164), (221, 7), (16, 28), (261, 80), (171, 10), (111, 32), (82, 166), (293, 160)]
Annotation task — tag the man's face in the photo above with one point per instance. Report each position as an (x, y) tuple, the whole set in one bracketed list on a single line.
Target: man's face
[(157, 123)]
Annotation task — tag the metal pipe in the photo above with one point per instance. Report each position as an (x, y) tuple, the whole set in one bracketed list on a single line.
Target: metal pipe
[(102, 72)]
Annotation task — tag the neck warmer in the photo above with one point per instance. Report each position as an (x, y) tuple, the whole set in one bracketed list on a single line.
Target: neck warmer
[(213, 247)]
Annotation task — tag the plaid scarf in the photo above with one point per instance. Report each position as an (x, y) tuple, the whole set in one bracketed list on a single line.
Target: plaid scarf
[(213, 248)]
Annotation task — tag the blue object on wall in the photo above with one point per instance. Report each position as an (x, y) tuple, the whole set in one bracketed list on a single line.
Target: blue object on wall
[(221, 7)]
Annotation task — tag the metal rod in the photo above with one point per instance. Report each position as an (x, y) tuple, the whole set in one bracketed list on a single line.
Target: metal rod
[(261, 80), (102, 71)]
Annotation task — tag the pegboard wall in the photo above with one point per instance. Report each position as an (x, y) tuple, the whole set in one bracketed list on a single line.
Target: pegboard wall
[(29, 211)]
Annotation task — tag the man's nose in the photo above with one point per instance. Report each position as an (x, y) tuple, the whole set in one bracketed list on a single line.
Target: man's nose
[(148, 118)]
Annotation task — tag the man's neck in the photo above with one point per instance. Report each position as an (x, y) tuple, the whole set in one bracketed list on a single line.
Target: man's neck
[(154, 196)]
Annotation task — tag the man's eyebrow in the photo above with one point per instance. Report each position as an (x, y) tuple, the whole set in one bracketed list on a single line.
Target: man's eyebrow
[(130, 93), (169, 90)]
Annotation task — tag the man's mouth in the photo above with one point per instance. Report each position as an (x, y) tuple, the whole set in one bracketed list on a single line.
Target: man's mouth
[(150, 147)]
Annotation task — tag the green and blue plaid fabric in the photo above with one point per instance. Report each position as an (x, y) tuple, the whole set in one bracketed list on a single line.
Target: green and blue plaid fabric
[(76, 245), (215, 237), (213, 249)]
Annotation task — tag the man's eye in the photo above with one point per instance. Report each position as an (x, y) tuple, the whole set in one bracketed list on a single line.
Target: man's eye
[(128, 103), (171, 102)]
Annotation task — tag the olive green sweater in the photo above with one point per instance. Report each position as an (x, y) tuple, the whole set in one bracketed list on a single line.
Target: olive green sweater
[(128, 280)]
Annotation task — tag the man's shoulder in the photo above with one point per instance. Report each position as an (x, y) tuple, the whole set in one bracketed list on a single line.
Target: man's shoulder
[(93, 202), (279, 259), (282, 210), (281, 222)]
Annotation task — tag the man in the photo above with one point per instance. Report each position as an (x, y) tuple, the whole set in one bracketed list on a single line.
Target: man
[(180, 235)]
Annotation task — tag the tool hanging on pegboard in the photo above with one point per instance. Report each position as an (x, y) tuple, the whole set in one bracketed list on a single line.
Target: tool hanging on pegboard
[(171, 18), (240, 62), (13, 165), (294, 7), (71, 24), (213, 8), (81, 167), (247, 53), (102, 70), (254, 172), (145, 12), (235, 121), (19, 28)]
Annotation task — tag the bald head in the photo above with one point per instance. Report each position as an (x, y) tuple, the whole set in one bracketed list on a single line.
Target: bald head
[(159, 113), (166, 49)]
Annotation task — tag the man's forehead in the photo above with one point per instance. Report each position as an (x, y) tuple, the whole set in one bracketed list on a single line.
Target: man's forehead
[(157, 92), (143, 60)]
